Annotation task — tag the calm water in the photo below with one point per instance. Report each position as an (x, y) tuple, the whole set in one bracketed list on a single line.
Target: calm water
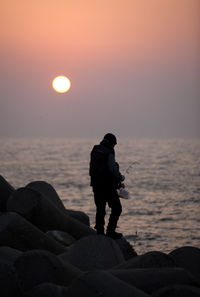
[(162, 176)]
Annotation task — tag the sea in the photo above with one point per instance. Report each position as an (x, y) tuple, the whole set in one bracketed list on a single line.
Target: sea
[(162, 178)]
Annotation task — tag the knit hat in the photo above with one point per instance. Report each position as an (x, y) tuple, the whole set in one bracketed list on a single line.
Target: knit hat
[(111, 138)]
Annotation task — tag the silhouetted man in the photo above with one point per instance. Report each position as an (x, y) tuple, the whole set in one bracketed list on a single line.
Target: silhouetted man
[(105, 179)]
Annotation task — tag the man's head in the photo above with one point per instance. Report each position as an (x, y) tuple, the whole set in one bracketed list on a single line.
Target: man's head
[(111, 139)]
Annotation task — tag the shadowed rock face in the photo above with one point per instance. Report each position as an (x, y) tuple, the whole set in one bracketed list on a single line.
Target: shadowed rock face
[(152, 279), (18, 233), (126, 248), (39, 266), (33, 206), (8, 283), (5, 191), (188, 257), (48, 191), (94, 252), (78, 215), (102, 283), (8, 254), (153, 259), (50, 194)]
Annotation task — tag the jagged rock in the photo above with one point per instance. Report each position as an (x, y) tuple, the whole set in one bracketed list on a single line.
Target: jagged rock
[(177, 291), (152, 279), (94, 252), (33, 206), (47, 290), (62, 237), (8, 254), (50, 193), (126, 248), (154, 259), (37, 266), (188, 257), (5, 190), (18, 233), (102, 284)]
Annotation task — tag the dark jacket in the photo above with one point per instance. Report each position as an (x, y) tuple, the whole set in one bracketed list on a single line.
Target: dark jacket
[(104, 171)]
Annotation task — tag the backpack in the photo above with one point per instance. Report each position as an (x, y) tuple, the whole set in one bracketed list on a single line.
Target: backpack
[(98, 171)]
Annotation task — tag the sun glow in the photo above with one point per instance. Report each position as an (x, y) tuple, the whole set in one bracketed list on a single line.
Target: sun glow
[(61, 84)]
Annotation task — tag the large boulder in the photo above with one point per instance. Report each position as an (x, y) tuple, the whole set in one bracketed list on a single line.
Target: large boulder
[(100, 283), (18, 233), (126, 248), (8, 254), (5, 190), (40, 211), (79, 215), (94, 252), (38, 266), (187, 257), (50, 193), (152, 279), (154, 259)]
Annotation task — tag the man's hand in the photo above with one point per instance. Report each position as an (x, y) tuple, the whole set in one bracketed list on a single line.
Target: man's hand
[(122, 178)]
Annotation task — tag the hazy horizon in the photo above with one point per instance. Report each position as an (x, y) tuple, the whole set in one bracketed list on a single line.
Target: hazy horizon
[(133, 65)]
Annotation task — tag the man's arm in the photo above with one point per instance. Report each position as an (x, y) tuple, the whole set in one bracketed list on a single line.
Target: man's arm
[(113, 168)]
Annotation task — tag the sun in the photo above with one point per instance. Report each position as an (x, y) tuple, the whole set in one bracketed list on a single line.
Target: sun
[(61, 84)]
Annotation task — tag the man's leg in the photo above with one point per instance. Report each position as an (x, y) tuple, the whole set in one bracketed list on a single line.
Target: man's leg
[(100, 210), (116, 209)]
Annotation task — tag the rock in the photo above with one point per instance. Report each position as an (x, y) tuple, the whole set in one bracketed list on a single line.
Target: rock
[(8, 283), (18, 233), (126, 248), (33, 206), (62, 237), (102, 284), (5, 190), (50, 193), (94, 252), (65, 256), (37, 266), (152, 279), (154, 259), (47, 290), (79, 215), (177, 291), (8, 254), (188, 257)]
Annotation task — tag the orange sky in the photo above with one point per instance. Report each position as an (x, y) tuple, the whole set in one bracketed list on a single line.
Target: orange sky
[(91, 29), (100, 44)]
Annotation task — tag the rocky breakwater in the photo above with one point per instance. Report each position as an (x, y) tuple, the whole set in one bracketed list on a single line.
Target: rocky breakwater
[(47, 250)]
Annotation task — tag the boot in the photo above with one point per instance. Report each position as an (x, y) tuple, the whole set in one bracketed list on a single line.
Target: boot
[(113, 234)]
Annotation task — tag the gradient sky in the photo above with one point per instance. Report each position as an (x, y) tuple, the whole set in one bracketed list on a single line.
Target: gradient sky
[(133, 65)]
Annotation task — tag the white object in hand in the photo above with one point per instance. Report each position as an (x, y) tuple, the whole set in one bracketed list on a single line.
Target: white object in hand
[(123, 193)]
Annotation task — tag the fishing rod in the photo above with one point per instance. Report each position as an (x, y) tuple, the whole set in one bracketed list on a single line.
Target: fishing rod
[(131, 166), (123, 193)]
